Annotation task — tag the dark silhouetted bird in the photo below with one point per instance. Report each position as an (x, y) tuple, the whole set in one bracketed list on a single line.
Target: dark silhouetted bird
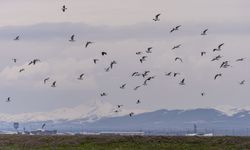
[(88, 43), (104, 53), (81, 76), (145, 74), (17, 38), (8, 99), (138, 101), (217, 75), (175, 28), (138, 53), (224, 63), (176, 73), (64, 8), (95, 60), (148, 79), (149, 50), (242, 82), (178, 58), (103, 94), (157, 17), (182, 82), (137, 87), (107, 69), (21, 70), (143, 59), (14, 60), (112, 64), (203, 53), (219, 47), (204, 32), (217, 58), (122, 86), (131, 114), (34, 61), (45, 80), (177, 46), (116, 111), (240, 59), (202, 94), (53, 84), (43, 125), (72, 38), (136, 74), (168, 74), (119, 106)]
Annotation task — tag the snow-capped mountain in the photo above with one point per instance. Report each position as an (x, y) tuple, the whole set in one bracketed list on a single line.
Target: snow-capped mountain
[(88, 113)]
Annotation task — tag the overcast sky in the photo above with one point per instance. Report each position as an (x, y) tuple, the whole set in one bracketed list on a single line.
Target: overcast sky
[(122, 28)]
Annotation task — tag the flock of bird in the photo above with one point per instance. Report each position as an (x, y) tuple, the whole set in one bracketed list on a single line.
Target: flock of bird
[(143, 58)]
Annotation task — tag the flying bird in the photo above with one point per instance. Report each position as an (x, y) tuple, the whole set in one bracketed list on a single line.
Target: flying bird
[(88, 43), (176, 73), (135, 74), (175, 28), (203, 53), (240, 59), (45, 80), (116, 111), (217, 58), (145, 74), (81, 76), (224, 63), (14, 60), (149, 50), (95, 60), (157, 17), (43, 125), (178, 58), (104, 53), (242, 82), (123, 86), (204, 32), (103, 94), (119, 106), (217, 75), (143, 59), (182, 82), (64, 8), (168, 74), (137, 87), (21, 70), (53, 84), (138, 101), (131, 114), (177, 46), (112, 64), (107, 69), (8, 99), (34, 61), (72, 38), (219, 47), (138, 53), (17, 38)]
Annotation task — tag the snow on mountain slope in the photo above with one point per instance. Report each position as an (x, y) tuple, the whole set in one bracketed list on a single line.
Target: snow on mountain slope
[(89, 113), (230, 111)]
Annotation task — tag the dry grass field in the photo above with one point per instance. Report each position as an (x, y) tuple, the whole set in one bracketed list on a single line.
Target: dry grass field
[(24, 142)]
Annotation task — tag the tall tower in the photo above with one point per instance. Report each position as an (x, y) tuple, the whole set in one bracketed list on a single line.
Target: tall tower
[(195, 128)]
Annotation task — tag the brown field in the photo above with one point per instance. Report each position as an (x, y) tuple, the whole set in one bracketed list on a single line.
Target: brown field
[(23, 142)]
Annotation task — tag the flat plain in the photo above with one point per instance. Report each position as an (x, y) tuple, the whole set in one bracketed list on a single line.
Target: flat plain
[(110, 142)]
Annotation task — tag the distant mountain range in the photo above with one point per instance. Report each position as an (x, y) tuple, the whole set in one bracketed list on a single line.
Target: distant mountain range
[(100, 116)]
